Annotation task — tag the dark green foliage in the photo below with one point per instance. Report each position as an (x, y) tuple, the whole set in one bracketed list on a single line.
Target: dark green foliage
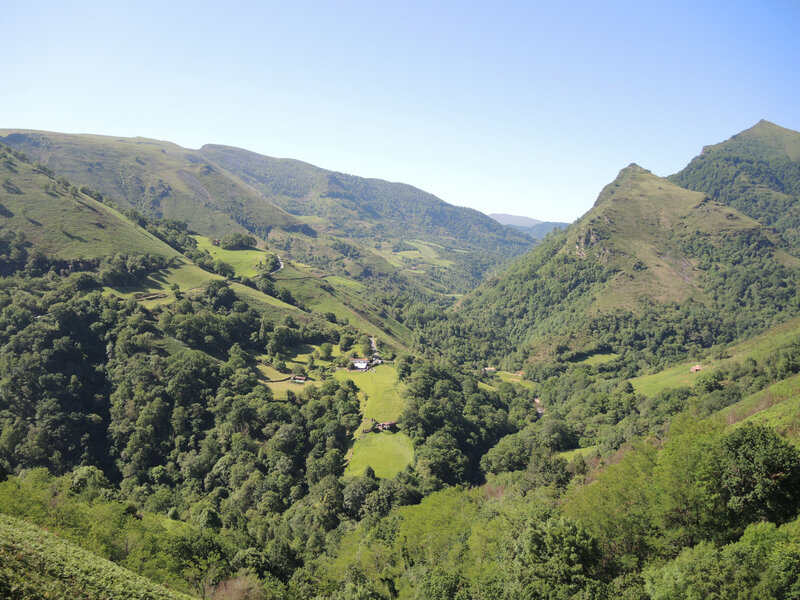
[(237, 241), (760, 475), (556, 560)]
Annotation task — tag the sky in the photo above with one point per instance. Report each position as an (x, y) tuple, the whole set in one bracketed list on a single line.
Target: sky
[(526, 108)]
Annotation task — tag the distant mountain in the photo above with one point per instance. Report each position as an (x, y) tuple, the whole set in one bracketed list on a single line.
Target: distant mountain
[(514, 220), (367, 208), (756, 171), (646, 243), (533, 227)]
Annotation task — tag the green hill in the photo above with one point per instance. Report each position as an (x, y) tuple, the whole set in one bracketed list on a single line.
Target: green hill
[(158, 179), (58, 220), (651, 267), (367, 208), (757, 172)]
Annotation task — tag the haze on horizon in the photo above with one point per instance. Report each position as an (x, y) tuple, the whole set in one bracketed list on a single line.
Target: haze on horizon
[(504, 107)]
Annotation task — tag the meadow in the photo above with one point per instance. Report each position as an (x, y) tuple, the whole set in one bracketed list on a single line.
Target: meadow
[(386, 452)]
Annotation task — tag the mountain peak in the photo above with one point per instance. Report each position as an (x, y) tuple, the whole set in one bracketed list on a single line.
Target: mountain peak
[(633, 169)]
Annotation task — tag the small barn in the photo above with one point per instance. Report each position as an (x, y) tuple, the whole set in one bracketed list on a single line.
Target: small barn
[(696, 368), (386, 425)]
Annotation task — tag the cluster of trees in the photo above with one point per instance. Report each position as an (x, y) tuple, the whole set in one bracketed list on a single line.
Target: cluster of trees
[(237, 241)]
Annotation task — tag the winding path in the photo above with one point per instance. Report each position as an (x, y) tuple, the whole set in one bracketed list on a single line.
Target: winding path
[(280, 263)]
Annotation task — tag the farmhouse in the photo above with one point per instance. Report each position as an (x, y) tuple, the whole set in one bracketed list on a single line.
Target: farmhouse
[(489, 369), (359, 364)]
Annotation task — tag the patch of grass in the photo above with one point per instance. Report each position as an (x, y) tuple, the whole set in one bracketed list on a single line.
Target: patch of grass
[(335, 281), (570, 455), (599, 358), (777, 406), (382, 390), (280, 389), (514, 378), (386, 452)]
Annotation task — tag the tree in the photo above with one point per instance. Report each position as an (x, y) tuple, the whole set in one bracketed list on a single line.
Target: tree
[(760, 475), (325, 351), (556, 560)]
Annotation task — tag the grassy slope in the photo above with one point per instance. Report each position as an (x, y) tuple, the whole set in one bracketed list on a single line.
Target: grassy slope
[(156, 289), (777, 406), (37, 564), (347, 299), (756, 348), (66, 225), (637, 219), (155, 177)]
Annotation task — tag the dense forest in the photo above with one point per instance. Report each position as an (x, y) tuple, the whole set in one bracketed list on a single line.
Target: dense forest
[(615, 414)]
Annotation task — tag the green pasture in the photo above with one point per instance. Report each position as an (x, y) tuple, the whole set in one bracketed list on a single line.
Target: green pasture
[(514, 378), (381, 399), (189, 278), (570, 455), (244, 262), (598, 358), (386, 452)]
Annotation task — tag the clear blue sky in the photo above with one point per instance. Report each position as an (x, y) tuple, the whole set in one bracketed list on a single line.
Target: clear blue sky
[(520, 107)]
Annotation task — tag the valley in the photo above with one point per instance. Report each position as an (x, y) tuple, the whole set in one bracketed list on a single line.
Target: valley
[(234, 376)]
